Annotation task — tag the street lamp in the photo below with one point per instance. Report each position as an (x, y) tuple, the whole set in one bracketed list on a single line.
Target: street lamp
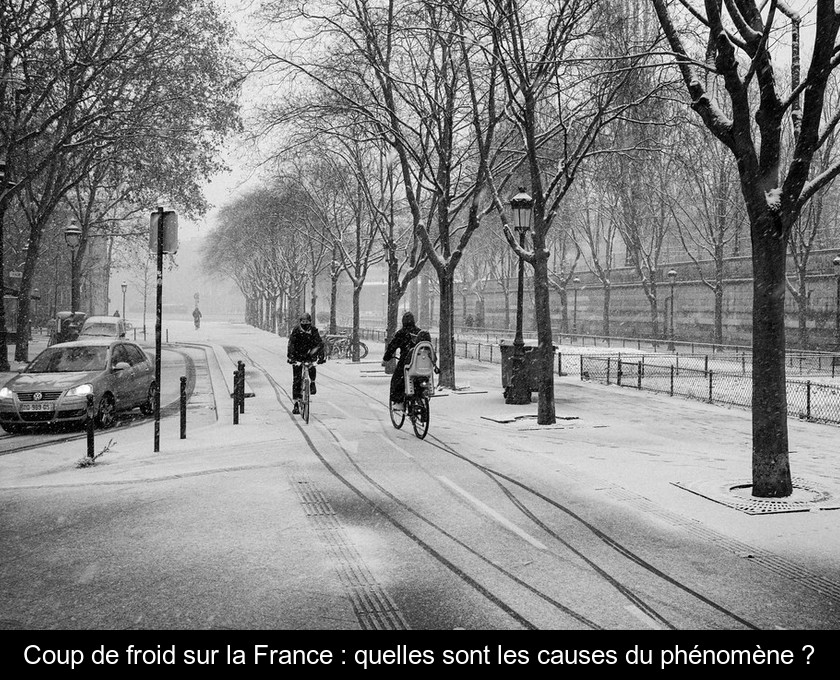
[(836, 263), (672, 274), (124, 287), (575, 281), (73, 238), (519, 391)]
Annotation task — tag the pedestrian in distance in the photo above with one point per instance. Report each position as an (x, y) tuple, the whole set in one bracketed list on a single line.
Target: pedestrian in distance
[(197, 317), (305, 344)]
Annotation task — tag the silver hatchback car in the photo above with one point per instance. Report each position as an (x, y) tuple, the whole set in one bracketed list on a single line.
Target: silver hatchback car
[(53, 388)]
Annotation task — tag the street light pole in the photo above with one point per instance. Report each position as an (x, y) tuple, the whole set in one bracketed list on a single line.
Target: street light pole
[(836, 263), (672, 274), (73, 238), (124, 287), (519, 391)]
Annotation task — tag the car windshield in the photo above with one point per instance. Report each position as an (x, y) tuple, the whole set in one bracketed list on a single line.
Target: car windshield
[(107, 329), (69, 360)]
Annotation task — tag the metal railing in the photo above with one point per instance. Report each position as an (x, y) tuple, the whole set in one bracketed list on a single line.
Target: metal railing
[(719, 378), (807, 400)]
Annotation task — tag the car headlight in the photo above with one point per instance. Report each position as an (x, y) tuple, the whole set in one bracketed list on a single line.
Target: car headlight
[(6, 393), (80, 390)]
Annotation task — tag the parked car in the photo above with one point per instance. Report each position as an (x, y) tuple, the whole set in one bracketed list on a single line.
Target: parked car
[(53, 388), (103, 327)]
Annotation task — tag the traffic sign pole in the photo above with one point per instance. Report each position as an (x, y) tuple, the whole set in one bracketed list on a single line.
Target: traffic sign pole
[(158, 324)]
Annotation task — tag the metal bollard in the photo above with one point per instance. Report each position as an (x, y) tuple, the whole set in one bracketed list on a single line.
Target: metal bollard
[(183, 407), (235, 397), (167, 336), (89, 426), (241, 366)]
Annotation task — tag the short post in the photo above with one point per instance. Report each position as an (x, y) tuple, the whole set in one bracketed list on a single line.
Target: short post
[(639, 374), (167, 336), (706, 364), (618, 374), (89, 426), (672, 380), (581, 366), (241, 365), (235, 396), (608, 370), (559, 363), (808, 400), (183, 407), (710, 387)]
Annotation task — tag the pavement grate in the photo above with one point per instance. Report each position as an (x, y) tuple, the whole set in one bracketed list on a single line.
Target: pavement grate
[(373, 607), (806, 497)]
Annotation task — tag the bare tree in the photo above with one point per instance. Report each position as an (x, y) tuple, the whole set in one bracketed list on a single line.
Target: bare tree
[(742, 56), (704, 203), (566, 71)]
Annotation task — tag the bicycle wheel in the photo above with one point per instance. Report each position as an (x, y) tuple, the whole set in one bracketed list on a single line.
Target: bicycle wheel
[(304, 402), (397, 417), (420, 417), (363, 350)]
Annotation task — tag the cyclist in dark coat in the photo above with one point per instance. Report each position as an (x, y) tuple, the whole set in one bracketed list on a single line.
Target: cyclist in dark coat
[(403, 341), (305, 344)]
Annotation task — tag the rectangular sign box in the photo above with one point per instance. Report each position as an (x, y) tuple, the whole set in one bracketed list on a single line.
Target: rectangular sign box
[(170, 231)]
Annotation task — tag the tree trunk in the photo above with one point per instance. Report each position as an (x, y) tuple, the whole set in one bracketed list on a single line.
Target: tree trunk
[(333, 301), (357, 292), (4, 347), (607, 293), (446, 355), (770, 463), (313, 299), (564, 310), (802, 308), (545, 340)]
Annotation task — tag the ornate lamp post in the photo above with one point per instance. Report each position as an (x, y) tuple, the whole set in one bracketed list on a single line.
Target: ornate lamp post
[(73, 238), (672, 274), (519, 391), (124, 287), (576, 282), (836, 263)]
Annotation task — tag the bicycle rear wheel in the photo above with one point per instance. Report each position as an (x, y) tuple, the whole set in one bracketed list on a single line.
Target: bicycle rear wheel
[(363, 350), (304, 402), (397, 417), (420, 417)]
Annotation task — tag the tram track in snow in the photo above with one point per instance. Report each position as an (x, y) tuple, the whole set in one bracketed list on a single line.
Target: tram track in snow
[(523, 497)]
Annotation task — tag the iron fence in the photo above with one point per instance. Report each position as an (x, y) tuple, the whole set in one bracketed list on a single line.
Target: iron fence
[(807, 400), (719, 378)]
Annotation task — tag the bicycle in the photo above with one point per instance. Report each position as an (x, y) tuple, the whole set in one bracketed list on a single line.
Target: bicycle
[(419, 383), (416, 407), (341, 347), (305, 389)]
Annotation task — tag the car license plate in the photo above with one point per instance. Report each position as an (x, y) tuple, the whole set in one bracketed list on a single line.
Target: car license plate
[(43, 406)]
